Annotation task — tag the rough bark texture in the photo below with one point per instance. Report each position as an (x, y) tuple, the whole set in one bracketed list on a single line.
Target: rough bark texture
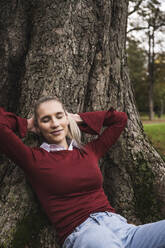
[(76, 51)]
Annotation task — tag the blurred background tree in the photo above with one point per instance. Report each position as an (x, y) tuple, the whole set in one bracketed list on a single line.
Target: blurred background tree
[(149, 21), (137, 70), (159, 92), (76, 50)]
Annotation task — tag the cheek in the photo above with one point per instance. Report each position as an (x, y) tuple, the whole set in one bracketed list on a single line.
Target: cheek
[(65, 126), (43, 128), (65, 123), (66, 129)]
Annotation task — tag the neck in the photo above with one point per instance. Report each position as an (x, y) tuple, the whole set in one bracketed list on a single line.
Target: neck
[(63, 144)]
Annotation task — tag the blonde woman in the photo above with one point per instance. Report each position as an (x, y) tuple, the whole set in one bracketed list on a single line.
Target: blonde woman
[(65, 175)]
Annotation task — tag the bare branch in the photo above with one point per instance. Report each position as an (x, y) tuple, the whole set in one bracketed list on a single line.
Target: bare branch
[(137, 29), (136, 7)]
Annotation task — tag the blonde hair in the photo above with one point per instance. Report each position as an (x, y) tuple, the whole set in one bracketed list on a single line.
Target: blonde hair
[(73, 129)]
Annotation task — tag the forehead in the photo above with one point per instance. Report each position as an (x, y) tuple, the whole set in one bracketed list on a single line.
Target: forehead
[(49, 108)]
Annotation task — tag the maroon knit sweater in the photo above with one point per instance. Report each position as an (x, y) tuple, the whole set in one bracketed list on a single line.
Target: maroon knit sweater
[(68, 183)]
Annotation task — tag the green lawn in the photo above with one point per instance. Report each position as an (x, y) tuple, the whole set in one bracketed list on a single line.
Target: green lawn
[(156, 133)]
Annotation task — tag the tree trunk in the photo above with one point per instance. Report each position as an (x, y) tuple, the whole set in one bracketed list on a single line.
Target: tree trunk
[(161, 107), (151, 62), (76, 51)]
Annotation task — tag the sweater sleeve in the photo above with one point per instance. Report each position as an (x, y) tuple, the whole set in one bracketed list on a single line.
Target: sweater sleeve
[(114, 121), (10, 144)]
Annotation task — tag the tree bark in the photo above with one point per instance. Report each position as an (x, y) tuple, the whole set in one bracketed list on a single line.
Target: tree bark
[(76, 51)]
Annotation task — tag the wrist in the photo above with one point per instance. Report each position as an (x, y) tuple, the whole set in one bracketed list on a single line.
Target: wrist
[(30, 125), (76, 118)]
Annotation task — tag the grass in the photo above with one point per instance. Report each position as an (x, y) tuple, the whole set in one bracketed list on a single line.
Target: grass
[(156, 133), (144, 117)]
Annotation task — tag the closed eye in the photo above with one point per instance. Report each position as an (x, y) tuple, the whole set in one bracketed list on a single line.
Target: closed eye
[(45, 119), (60, 116)]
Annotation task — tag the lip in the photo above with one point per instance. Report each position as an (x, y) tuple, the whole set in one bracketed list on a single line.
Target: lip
[(57, 132)]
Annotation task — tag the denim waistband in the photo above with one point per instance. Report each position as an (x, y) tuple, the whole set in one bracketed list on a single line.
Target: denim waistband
[(89, 219)]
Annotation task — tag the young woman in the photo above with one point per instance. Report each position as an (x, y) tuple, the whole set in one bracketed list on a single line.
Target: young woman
[(66, 177)]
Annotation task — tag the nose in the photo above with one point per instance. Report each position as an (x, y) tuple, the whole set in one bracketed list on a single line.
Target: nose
[(54, 122)]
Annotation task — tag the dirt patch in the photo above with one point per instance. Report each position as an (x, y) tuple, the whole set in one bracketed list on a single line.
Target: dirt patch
[(153, 121)]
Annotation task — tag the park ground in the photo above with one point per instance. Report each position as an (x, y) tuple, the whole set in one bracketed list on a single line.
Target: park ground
[(155, 130)]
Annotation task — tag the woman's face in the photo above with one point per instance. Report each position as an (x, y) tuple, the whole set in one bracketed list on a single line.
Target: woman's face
[(52, 122)]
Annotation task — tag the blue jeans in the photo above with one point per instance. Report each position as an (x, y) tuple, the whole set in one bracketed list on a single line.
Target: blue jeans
[(110, 230)]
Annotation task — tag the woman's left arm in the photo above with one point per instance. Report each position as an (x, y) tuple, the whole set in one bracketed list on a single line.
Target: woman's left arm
[(92, 122)]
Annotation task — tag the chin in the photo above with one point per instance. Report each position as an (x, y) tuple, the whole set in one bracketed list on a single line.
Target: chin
[(57, 142)]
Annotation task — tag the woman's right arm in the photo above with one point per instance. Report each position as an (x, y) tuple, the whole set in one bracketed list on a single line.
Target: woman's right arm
[(10, 144)]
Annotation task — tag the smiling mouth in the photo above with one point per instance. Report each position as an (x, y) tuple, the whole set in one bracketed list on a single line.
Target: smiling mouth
[(57, 132)]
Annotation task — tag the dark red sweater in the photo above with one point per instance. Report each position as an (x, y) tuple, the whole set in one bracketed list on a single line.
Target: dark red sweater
[(67, 183)]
